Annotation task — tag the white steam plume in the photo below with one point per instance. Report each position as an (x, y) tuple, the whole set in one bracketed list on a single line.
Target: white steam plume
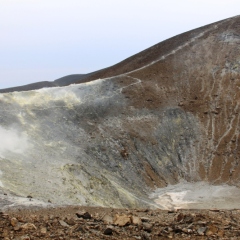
[(13, 141)]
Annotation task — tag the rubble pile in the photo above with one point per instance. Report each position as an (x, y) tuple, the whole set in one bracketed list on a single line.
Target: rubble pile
[(106, 223)]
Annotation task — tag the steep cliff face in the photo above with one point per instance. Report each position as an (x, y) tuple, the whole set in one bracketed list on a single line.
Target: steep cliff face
[(167, 114)]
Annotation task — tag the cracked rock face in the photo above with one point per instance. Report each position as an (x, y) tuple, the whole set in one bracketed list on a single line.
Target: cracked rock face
[(167, 114)]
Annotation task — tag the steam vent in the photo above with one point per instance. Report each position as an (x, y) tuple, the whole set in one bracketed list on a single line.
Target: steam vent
[(160, 129)]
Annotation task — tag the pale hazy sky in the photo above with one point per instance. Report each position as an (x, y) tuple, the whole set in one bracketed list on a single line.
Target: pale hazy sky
[(42, 40)]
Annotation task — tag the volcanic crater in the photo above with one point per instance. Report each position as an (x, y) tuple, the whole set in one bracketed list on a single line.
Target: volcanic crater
[(159, 129)]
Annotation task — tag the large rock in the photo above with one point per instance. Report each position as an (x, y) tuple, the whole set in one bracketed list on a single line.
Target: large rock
[(122, 220)]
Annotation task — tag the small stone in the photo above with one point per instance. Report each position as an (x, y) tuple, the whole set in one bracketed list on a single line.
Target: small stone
[(108, 219), (24, 237), (108, 231), (220, 233), (214, 210), (145, 219), (3, 215), (201, 230), (45, 218), (136, 220), (29, 196), (80, 229), (122, 220), (43, 230), (70, 221), (84, 215), (187, 230), (5, 233), (179, 217), (145, 236), (211, 230), (14, 222), (63, 224), (17, 227), (147, 227), (137, 237), (28, 226)]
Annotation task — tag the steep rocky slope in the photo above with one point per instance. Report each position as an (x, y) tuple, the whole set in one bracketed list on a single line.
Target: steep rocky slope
[(167, 114)]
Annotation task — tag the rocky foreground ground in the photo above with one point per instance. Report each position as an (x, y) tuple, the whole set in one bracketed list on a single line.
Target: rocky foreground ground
[(105, 223)]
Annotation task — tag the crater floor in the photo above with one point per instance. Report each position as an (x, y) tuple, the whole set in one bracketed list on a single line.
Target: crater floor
[(199, 195)]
